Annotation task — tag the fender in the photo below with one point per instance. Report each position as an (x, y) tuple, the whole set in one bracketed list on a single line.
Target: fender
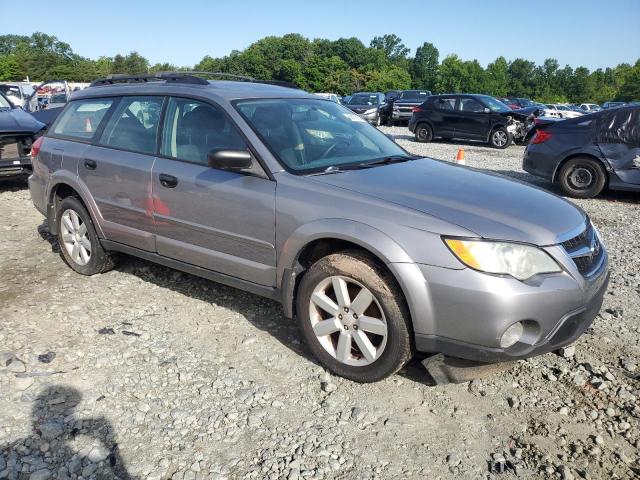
[(405, 271), (72, 180)]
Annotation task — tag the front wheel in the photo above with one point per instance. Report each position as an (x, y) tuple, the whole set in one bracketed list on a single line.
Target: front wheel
[(582, 177), (423, 133), (500, 138), (353, 318)]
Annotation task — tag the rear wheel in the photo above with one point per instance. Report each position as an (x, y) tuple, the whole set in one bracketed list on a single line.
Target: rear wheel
[(352, 317), (424, 133), (582, 177), (500, 138), (79, 244)]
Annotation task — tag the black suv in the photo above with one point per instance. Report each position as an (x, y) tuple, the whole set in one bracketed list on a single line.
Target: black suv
[(463, 116)]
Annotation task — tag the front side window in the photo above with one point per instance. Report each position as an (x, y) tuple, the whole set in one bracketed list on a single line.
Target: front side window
[(471, 105), (309, 135), (493, 104), (4, 103), (82, 118), (192, 129), (134, 125)]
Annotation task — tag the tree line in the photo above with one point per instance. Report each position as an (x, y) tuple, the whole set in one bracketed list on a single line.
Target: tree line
[(341, 66)]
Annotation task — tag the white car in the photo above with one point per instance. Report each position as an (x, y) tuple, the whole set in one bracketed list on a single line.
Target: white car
[(20, 94), (590, 107), (549, 111), (330, 96), (563, 111)]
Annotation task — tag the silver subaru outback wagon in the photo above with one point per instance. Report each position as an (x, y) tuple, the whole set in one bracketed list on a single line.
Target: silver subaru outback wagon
[(375, 252)]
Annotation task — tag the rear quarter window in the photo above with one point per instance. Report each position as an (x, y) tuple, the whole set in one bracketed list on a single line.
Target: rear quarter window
[(82, 118)]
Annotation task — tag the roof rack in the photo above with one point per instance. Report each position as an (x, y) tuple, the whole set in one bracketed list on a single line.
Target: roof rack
[(183, 77)]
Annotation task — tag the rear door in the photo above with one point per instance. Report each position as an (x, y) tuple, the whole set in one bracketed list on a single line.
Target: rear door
[(473, 123), (444, 116), (219, 220), (117, 170)]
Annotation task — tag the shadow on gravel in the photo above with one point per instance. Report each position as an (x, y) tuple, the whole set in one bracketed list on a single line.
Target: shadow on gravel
[(262, 313), (13, 184), (54, 427)]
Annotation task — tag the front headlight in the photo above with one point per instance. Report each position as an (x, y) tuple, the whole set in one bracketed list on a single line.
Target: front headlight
[(370, 111), (515, 259)]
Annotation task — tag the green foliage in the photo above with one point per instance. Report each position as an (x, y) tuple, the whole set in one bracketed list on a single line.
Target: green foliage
[(342, 66)]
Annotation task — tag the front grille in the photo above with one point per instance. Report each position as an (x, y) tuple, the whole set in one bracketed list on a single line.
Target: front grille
[(585, 250)]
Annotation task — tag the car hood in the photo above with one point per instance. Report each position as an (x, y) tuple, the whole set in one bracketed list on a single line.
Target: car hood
[(491, 206), (17, 120)]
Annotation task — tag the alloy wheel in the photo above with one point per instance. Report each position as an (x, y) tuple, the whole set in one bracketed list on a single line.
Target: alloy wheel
[(348, 321), (75, 237), (500, 138)]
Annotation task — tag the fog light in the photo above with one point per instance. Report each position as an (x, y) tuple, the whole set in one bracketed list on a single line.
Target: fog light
[(512, 335)]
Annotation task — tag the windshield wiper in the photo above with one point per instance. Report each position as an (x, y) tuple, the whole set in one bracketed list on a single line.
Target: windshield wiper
[(327, 171), (387, 161)]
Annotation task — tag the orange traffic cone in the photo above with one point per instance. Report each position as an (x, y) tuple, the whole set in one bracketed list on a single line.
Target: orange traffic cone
[(87, 125), (460, 157)]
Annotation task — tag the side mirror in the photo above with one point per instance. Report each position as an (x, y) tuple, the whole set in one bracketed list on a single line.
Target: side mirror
[(487, 110), (230, 160)]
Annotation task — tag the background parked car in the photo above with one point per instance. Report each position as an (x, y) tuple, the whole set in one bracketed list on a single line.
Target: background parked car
[(606, 105), (563, 111), (585, 155), (389, 98), (20, 95), (369, 105), (590, 107), (18, 130), (405, 103), (521, 102), (330, 96), (464, 116), (509, 103)]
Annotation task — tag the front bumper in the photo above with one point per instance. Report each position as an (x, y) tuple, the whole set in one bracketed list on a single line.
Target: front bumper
[(369, 117), (398, 115), (470, 311)]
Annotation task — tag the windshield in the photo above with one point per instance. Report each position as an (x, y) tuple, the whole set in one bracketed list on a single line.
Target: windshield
[(364, 99), (414, 95), (4, 103), (309, 135), (494, 104)]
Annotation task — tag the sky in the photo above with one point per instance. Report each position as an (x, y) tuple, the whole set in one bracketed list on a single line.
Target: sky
[(591, 33)]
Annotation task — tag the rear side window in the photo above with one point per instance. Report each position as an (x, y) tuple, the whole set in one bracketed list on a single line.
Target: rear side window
[(471, 105), (445, 103), (82, 118), (134, 125), (192, 129)]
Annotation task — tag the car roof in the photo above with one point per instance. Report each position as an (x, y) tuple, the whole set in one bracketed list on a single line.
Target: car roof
[(215, 89)]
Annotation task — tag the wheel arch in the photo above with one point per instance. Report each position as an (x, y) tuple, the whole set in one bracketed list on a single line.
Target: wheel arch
[(560, 164), (61, 187), (313, 241)]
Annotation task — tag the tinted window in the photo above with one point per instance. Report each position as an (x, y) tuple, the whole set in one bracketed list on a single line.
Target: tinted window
[(192, 129), (82, 118), (310, 135), (445, 103), (415, 95), (471, 105), (134, 124)]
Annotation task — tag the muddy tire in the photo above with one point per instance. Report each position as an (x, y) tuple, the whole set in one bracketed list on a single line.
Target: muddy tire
[(353, 317), (79, 244), (582, 177)]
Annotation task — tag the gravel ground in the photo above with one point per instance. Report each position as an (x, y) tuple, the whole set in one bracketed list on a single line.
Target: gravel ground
[(144, 372)]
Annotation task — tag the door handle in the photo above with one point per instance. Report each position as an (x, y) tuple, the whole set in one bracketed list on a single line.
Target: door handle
[(168, 181), (90, 164)]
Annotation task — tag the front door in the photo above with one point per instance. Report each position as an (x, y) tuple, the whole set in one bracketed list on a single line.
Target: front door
[(473, 123), (219, 220)]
